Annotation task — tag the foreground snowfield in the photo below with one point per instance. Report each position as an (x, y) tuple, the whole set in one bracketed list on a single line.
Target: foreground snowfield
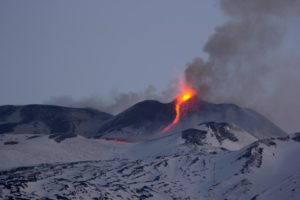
[(30, 149), (211, 161), (44, 150)]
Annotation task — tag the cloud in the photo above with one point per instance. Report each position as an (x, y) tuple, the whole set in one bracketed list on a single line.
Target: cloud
[(115, 102), (247, 61)]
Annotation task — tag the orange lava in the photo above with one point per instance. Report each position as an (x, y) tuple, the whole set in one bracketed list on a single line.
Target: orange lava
[(119, 140), (186, 93)]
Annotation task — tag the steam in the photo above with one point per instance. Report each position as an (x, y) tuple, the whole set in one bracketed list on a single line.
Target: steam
[(247, 63), (114, 103)]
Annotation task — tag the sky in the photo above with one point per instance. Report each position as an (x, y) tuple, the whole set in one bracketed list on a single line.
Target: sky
[(77, 53), (81, 48)]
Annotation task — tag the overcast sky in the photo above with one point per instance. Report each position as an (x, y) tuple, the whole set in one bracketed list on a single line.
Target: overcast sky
[(54, 49), (82, 48)]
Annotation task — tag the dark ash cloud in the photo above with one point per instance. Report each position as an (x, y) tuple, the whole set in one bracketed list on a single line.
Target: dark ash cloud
[(247, 63)]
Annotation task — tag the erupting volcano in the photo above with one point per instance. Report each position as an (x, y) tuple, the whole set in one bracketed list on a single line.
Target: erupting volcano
[(185, 94)]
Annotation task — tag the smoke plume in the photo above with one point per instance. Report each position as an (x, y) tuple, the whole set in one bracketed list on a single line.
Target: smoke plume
[(247, 61), (115, 102)]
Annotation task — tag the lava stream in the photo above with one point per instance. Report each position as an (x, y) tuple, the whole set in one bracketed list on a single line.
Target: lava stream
[(186, 94)]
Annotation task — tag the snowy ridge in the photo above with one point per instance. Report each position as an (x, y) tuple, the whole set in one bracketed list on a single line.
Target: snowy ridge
[(249, 173), (26, 150), (219, 152), (48, 119)]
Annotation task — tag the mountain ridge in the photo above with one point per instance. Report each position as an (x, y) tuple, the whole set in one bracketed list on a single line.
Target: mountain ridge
[(48, 119), (211, 159), (197, 111), (144, 120)]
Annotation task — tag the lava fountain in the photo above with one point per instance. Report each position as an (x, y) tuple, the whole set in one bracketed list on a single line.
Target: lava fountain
[(185, 94)]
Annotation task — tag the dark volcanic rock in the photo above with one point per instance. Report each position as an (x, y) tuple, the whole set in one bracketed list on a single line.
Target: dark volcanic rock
[(296, 137), (149, 115), (57, 119), (11, 142), (193, 136), (221, 131), (6, 111), (247, 119), (152, 116), (7, 128), (58, 137), (253, 156)]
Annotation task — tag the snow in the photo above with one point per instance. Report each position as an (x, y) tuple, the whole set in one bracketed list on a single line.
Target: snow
[(44, 150), (163, 168)]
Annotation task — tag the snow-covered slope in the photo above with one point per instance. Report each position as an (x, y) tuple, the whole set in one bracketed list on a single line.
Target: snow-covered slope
[(218, 135), (265, 169), (25, 150), (217, 151)]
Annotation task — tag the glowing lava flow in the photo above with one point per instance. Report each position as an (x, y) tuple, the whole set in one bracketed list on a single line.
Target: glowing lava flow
[(186, 94)]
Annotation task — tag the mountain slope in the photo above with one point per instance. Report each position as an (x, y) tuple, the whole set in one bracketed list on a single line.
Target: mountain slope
[(249, 173), (46, 119), (139, 122), (150, 117), (217, 151), (142, 121), (29, 149)]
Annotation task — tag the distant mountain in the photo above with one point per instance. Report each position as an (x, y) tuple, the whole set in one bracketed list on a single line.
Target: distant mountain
[(146, 119), (139, 122), (216, 152), (47, 119), (143, 121)]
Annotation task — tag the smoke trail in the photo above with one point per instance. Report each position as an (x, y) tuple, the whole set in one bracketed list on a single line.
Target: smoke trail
[(115, 102), (247, 63)]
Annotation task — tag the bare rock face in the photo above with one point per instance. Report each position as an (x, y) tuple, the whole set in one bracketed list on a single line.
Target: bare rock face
[(296, 137)]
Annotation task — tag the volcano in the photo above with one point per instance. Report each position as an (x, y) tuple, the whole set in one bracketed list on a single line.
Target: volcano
[(146, 119), (142, 121), (214, 151)]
